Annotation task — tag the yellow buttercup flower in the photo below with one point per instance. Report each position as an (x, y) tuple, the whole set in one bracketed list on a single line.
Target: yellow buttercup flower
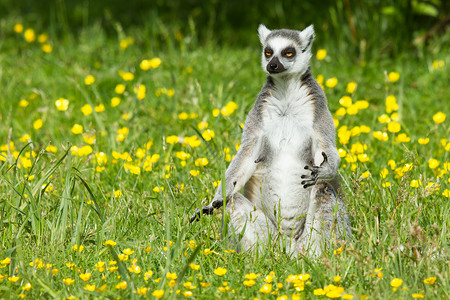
[(430, 280), (206, 251), (86, 109), (42, 38), (183, 116), (155, 62), (351, 87), (391, 104), (266, 288), (122, 257), (128, 251), (415, 183), (384, 173), (62, 104), (332, 291), (38, 124), (201, 162), (122, 285), (338, 251), (47, 48), (229, 108), (393, 76), (331, 82), (220, 271), (126, 76), (439, 117), (423, 141), (29, 35), (158, 294), (110, 242), (147, 64), (402, 138), (433, 163), (208, 134), (77, 129), (68, 281), (251, 276), (125, 43), (438, 64), (379, 135), (396, 282), (23, 103), (120, 89), (345, 101), (321, 54), (5, 261), (85, 276), (142, 291), (18, 28), (141, 92), (88, 80), (394, 127), (89, 287), (319, 292), (158, 189)]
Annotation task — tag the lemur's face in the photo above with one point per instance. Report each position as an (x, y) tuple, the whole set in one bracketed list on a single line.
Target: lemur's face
[(285, 51)]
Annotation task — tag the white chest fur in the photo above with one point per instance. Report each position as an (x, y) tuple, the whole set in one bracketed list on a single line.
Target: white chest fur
[(289, 116)]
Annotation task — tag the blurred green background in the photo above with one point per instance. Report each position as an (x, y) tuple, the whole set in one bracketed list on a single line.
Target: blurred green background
[(363, 29)]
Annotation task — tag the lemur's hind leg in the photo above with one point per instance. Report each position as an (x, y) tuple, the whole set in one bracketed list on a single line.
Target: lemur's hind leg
[(326, 219), (250, 225)]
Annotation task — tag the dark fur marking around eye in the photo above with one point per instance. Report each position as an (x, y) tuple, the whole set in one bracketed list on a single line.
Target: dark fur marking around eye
[(268, 52), (288, 52)]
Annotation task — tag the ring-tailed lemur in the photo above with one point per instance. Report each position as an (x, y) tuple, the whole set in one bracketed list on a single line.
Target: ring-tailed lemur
[(287, 162)]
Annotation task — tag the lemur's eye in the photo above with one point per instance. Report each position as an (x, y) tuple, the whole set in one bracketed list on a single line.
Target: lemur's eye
[(268, 52), (289, 54)]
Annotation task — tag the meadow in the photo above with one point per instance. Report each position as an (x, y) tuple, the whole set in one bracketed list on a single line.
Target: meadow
[(108, 143)]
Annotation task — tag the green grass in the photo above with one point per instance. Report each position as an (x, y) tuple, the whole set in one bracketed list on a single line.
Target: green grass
[(50, 202)]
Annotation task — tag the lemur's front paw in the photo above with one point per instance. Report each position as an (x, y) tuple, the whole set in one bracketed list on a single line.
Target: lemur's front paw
[(315, 171), (206, 210)]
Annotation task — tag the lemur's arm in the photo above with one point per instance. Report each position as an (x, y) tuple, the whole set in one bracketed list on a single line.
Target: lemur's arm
[(326, 156), (241, 167)]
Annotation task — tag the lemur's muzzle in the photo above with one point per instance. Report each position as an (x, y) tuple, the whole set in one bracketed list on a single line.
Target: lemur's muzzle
[(275, 66)]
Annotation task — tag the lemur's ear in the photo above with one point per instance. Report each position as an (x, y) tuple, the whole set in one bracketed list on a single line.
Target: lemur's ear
[(307, 37), (263, 32)]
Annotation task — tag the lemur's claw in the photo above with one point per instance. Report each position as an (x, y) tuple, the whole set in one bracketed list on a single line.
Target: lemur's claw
[(307, 183), (312, 178)]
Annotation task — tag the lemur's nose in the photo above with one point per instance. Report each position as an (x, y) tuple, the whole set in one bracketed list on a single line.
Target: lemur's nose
[(273, 66)]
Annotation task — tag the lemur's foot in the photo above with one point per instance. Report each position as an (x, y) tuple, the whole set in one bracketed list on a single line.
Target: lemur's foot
[(314, 176)]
